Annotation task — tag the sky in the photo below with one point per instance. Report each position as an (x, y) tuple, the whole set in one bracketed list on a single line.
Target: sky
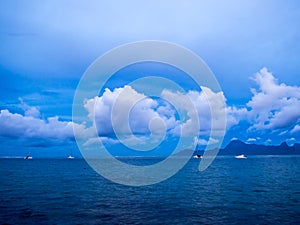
[(252, 47)]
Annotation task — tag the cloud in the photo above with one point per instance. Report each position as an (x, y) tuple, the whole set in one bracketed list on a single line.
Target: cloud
[(27, 126), (134, 114), (204, 102), (296, 129), (95, 141), (29, 110), (268, 141), (251, 140), (138, 115), (291, 141), (204, 142), (273, 106), (235, 115), (187, 125), (130, 111)]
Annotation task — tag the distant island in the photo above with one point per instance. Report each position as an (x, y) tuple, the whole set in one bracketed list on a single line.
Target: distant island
[(238, 147)]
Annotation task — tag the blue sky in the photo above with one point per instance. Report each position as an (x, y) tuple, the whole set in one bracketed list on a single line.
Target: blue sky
[(45, 47)]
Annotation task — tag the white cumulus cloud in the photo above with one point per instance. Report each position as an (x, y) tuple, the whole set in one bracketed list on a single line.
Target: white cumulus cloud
[(24, 126), (30, 125), (204, 102), (134, 113), (273, 105), (131, 112)]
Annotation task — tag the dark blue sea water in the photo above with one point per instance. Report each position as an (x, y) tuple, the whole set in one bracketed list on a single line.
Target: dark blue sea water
[(258, 190)]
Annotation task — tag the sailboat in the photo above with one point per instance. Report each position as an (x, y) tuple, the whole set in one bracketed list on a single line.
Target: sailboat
[(71, 156), (28, 156)]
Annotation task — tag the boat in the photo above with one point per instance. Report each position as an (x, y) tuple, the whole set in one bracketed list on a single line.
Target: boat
[(28, 157), (197, 156), (242, 156), (71, 155)]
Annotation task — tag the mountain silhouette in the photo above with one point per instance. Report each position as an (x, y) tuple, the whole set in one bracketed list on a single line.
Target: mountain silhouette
[(238, 147)]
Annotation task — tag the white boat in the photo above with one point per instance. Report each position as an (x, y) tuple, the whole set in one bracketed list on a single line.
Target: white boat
[(242, 156), (28, 157), (198, 156), (71, 155)]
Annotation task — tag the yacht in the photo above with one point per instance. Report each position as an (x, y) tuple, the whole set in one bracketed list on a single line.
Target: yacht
[(242, 156), (28, 157), (197, 156)]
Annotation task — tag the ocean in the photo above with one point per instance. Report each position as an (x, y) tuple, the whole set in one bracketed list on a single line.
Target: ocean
[(257, 190)]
